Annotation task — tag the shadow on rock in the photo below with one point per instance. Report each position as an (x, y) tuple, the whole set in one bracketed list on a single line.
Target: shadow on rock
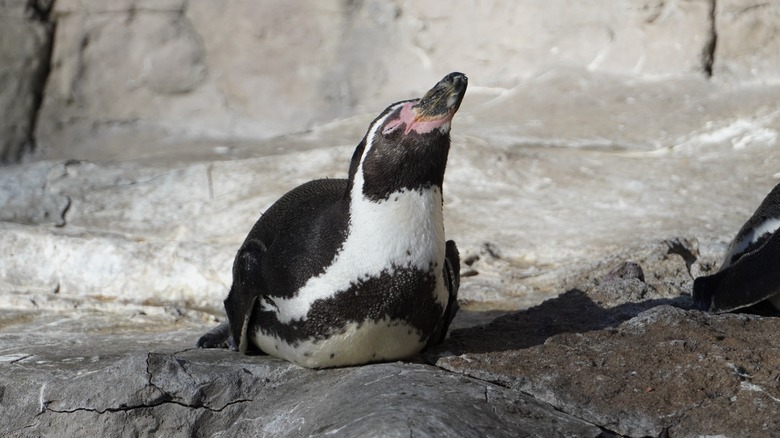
[(571, 312)]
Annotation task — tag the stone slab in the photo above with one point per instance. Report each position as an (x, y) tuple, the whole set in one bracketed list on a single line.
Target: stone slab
[(667, 371), (24, 61), (125, 383), (747, 47)]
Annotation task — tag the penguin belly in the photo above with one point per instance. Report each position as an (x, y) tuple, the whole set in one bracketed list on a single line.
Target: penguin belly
[(381, 297), (355, 343)]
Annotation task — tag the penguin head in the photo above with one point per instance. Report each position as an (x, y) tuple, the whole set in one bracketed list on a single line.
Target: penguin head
[(406, 147)]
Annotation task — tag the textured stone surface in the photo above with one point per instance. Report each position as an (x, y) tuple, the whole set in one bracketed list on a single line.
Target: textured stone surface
[(137, 72), (534, 194), (622, 352), (259, 69), (748, 47), (127, 383), (684, 372), (24, 60)]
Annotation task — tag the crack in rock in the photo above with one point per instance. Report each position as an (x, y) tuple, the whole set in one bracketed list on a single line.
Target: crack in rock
[(146, 406), (168, 397), (155, 394), (708, 55)]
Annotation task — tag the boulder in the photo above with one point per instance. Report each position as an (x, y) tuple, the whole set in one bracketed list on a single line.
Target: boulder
[(665, 372), (624, 351), (528, 215), (142, 379), (261, 69), (620, 355)]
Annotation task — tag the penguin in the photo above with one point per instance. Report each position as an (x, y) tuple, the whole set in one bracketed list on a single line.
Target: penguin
[(750, 272), (343, 272)]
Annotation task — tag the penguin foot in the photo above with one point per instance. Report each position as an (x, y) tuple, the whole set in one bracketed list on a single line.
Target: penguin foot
[(218, 337)]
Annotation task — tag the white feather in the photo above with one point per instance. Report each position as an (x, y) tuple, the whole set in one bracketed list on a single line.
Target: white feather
[(768, 226), (369, 341)]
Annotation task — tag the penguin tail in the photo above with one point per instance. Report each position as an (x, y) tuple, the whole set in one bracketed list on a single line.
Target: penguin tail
[(703, 289)]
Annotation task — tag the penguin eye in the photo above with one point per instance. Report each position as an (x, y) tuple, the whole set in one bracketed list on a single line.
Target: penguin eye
[(391, 126)]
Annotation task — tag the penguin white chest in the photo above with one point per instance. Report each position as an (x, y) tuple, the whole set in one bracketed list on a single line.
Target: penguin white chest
[(383, 286)]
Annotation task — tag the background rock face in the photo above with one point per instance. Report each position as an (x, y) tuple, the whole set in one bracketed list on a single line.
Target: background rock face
[(604, 156), (747, 38), (248, 69), (25, 48)]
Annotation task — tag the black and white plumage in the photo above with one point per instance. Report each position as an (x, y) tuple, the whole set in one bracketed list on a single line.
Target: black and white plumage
[(750, 272), (349, 271)]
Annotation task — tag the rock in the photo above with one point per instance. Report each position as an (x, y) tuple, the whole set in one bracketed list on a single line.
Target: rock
[(24, 62), (178, 69), (636, 364), (134, 382), (628, 366), (637, 37), (51, 268), (531, 218), (26, 195), (668, 370), (181, 68), (747, 46)]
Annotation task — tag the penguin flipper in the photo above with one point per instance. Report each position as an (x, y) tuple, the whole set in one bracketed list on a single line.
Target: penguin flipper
[(244, 293), (452, 280), (751, 279)]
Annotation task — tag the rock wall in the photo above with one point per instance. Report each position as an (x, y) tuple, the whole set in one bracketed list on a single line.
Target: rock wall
[(256, 69), (25, 48), (748, 33)]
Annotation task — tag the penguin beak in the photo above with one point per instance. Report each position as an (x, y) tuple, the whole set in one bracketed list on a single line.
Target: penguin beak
[(442, 101)]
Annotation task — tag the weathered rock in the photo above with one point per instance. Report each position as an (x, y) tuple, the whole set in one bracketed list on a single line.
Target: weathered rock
[(182, 68), (748, 45), (529, 218), (630, 364), (175, 68), (685, 373), (132, 383), (44, 267), (24, 61), (623, 352)]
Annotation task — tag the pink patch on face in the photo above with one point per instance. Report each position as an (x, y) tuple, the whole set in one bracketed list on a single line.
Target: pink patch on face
[(420, 126)]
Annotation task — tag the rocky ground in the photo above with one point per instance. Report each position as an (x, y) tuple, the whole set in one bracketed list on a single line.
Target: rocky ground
[(584, 205)]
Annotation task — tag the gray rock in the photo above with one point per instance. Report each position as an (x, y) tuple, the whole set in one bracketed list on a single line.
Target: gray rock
[(48, 268), (181, 68), (133, 383), (668, 370), (176, 68), (27, 197), (747, 47), (634, 364), (529, 217), (24, 62)]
